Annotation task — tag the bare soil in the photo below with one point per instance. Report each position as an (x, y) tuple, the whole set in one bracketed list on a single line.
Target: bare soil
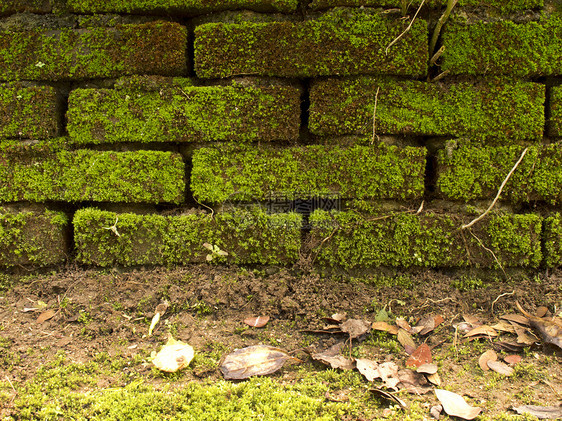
[(110, 312)]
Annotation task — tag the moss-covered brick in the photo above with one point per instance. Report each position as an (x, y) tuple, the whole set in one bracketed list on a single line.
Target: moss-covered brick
[(24, 6), (248, 236), (489, 109), (29, 237), (553, 240), (341, 42), (28, 112), (190, 7), (184, 114), (352, 240), (554, 123), (501, 6), (469, 172), (243, 173), (74, 54), (53, 173), (504, 48)]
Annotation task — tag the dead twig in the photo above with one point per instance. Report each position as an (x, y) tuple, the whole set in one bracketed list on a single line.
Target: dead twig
[(499, 296), (405, 30), (471, 223), (375, 117)]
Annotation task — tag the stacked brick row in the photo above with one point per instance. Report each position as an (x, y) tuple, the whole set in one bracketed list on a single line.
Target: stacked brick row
[(134, 132)]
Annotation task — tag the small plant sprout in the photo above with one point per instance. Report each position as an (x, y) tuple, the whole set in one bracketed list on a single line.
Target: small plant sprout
[(216, 252), (113, 228)]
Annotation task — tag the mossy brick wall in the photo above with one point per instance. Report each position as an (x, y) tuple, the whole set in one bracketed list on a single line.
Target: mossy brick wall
[(133, 132)]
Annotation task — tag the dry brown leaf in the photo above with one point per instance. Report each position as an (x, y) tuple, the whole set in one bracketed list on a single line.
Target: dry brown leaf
[(389, 374), (435, 411), (46, 315), (504, 326), (428, 368), (355, 327), (550, 330), (500, 367), (422, 355), (541, 311), (512, 359), (403, 324), (541, 412), (257, 360), (333, 357), (259, 321), (368, 368), (489, 355), (385, 327), (413, 382), (389, 396), (455, 405), (406, 340), (434, 379), (517, 318), (508, 346), (483, 330), (473, 320)]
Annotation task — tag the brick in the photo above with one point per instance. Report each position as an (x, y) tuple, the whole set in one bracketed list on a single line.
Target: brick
[(247, 173), (32, 237), (501, 6), (25, 6), (341, 42), (248, 236), (554, 124), (51, 172), (504, 48), (75, 54), (426, 240), (188, 114), (28, 112), (190, 7), (492, 109), (468, 172)]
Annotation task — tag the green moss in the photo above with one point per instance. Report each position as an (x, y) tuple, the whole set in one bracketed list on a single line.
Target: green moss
[(68, 54), (179, 6), (503, 48), (553, 240), (49, 172), (243, 173), (23, 6), (184, 114), (468, 173), (501, 6), (353, 240), (30, 237), (28, 112), (555, 108), (341, 42), (248, 236), (493, 109)]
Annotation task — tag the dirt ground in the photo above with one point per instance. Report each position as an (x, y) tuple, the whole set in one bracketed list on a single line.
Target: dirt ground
[(109, 312)]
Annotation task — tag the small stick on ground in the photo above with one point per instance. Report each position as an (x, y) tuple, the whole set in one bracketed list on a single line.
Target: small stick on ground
[(471, 223), (499, 296), (375, 116), (405, 30)]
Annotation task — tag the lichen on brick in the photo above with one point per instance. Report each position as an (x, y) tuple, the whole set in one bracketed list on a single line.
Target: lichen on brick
[(246, 173), (31, 237), (50, 171), (184, 114), (248, 236), (75, 54), (340, 42), (490, 109)]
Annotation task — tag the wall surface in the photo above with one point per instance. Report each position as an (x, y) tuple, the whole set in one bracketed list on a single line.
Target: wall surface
[(164, 132)]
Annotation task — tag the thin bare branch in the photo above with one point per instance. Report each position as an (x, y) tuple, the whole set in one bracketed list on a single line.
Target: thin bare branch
[(405, 30), (375, 117)]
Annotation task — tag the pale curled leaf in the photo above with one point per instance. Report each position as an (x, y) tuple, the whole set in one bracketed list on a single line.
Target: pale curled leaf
[(483, 330), (46, 315), (257, 360), (428, 368), (455, 405), (332, 357), (355, 327), (541, 412), (486, 357), (385, 327), (500, 368), (153, 323), (259, 321), (368, 368), (173, 356)]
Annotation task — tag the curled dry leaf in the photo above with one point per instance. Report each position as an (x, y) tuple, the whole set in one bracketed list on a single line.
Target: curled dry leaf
[(389, 396), (413, 382), (517, 318), (455, 405), (173, 356), (435, 411), (406, 340), (473, 320), (428, 368), (403, 324), (46, 315), (259, 321), (512, 359), (434, 379), (541, 311), (355, 327), (257, 360), (483, 330), (549, 330), (368, 368), (333, 357), (385, 327), (427, 324), (487, 356), (500, 367), (504, 326), (422, 355), (541, 412)]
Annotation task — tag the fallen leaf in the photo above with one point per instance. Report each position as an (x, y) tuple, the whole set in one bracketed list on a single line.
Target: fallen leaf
[(435, 411), (434, 379), (413, 382), (427, 324), (382, 316), (333, 357), (389, 396), (28, 309), (463, 327), (455, 405), (500, 368), (541, 311), (504, 326), (487, 356), (422, 355), (389, 374), (259, 321), (517, 318), (403, 324), (153, 323), (508, 346), (336, 318), (385, 327), (483, 330), (428, 368), (406, 340), (541, 412), (523, 336), (257, 360), (473, 320), (550, 330), (173, 356), (355, 327), (46, 315), (512, 359), (368, 368)]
